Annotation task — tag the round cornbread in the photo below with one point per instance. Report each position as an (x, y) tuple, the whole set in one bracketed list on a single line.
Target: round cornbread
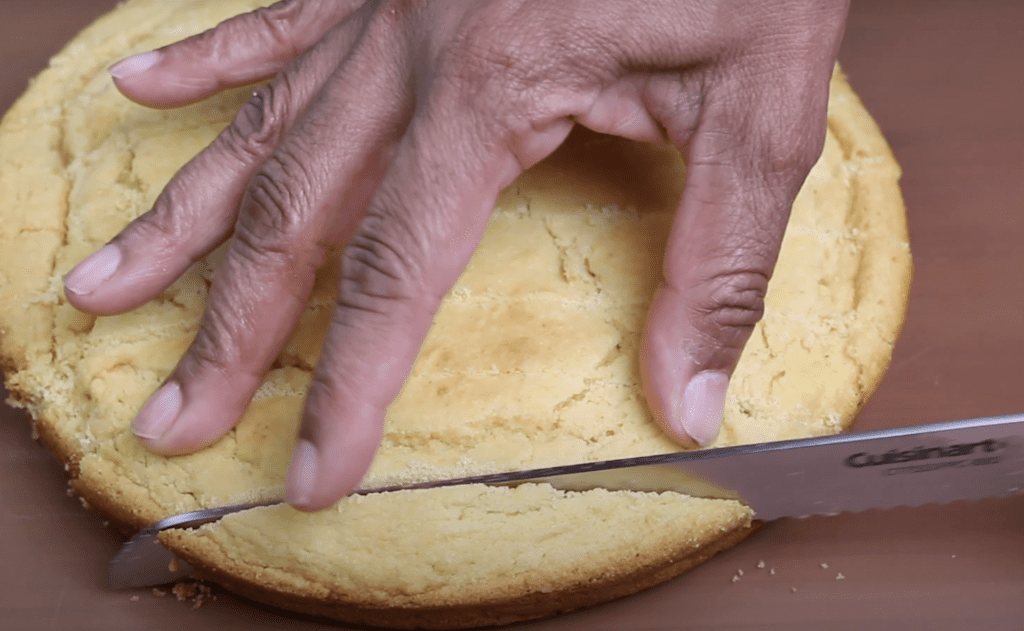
[(532, 360)]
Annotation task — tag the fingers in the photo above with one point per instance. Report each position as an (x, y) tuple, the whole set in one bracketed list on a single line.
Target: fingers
[(418, 234), (197, 209), (748, 158), (309, 193), (242, 50)]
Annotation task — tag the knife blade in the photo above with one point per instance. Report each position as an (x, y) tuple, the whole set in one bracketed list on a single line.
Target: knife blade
[(909, 466)]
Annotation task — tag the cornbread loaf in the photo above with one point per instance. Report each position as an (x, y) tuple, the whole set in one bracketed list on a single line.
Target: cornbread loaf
[(532, 360)]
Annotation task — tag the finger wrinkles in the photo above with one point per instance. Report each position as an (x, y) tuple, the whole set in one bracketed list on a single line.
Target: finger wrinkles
[(279, 24), (224, 346), (280, 201), (279, 230), (376, 276), (167, 234), (732, 299), (268, 38)]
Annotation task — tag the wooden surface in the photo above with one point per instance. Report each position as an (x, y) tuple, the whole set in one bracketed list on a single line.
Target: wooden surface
[(944, 80)]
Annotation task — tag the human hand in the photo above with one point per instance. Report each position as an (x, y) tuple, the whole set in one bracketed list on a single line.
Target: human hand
[(392, 126)]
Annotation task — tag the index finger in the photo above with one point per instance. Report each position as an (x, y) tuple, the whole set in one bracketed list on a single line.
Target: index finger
[(244, 49)]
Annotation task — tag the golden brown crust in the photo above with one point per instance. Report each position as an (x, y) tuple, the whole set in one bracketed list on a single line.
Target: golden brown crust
[(85, 161), (526, 606), (886, 270)]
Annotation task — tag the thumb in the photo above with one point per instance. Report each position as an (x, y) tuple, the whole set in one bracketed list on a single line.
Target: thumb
[(745, 168)]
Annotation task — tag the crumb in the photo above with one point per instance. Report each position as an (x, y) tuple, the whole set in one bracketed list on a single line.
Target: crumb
[(953, 556), (793, 589), (772, 571), (760, 565), (739, 572), (173, 565), (840, 576), (183, 590), (735, 579), (205, 594), (159, 592), (198, 593), (824, 566), (85, 504), (134, 599)]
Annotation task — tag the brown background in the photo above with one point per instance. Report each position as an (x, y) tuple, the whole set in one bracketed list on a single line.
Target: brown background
[(944, 80)]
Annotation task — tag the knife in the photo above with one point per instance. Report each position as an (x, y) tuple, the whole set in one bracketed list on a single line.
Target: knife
[(910, 466)]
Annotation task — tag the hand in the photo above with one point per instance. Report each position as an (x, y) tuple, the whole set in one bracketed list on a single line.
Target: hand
[(392, 125)]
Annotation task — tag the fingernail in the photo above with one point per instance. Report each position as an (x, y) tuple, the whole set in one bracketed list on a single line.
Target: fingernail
[(93, 271), (158, 414), (136, 64), (301, 475), (703, 405)]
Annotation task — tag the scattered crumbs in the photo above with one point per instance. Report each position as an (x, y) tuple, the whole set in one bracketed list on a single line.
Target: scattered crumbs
[(134, 599), (739, 572), (824, 566), (198, 593), (159, 592), (735, 579), (183, 590), (772, 571), (760, 564), (840, 576)]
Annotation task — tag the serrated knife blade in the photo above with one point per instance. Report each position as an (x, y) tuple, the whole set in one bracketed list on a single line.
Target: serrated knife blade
[(909, 466)]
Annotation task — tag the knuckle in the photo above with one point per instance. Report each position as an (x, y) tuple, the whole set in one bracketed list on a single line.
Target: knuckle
[(790, 126), (220, 343), (377, 274), (271, 27), (515, 77), (221, 41), (278, 23), (278, 202), (275, 232), (794, 153), (260, 124), (169, 225), (732, 302), (158, 227)]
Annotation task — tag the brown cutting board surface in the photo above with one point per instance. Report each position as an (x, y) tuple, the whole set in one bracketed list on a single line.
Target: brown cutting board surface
[(943, 79)]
